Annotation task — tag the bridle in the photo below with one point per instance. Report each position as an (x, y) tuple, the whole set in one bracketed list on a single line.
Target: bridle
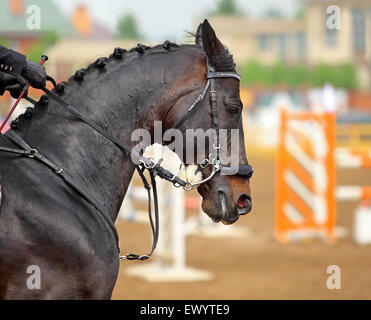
[(214, 158), (154, 168)]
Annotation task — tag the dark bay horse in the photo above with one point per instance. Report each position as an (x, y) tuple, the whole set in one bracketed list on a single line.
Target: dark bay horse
[(47, 224)]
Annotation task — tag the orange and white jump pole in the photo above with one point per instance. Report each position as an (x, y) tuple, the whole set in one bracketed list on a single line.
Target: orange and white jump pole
[(353, 193), (350, 159), (347, 159), (305, 176)]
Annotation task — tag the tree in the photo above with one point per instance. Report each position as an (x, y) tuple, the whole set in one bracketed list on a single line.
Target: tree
[(347, 77), (127, 27), (253, 72), (297, 75), (300, 13), (226, 7), (278, 73), (321, 74), (273, 13)]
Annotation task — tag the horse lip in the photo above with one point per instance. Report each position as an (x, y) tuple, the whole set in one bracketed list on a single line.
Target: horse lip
[(242, 211), (230, 220)]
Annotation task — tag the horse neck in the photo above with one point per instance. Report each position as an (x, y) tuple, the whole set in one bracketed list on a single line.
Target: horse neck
[(119, 101)]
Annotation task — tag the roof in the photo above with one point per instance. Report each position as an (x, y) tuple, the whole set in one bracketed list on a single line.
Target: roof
[(51, 18)]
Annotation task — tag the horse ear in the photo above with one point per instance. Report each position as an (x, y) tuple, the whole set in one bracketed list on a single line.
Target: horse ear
[(212, 45), (198, 39)]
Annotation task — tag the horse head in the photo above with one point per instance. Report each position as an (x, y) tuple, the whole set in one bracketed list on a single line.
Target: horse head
[(212, 102)]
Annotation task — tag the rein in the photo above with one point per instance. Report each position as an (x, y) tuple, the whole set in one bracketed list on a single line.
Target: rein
[(154, 168)]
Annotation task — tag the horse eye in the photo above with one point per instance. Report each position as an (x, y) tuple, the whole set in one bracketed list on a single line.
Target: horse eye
[(234, 109)]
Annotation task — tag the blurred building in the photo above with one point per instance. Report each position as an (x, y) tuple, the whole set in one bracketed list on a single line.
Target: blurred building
[(69, 52), (307, 39), (69, 55), (15, 16)]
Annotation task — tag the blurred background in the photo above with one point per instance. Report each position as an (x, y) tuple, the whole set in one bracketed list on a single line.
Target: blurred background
[(310, 55)]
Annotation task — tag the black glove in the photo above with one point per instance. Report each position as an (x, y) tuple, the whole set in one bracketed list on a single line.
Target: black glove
[(35, 74), (13, 84)]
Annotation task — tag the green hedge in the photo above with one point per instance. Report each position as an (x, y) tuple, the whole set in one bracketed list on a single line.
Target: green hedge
[(4, 42), (255, 73)]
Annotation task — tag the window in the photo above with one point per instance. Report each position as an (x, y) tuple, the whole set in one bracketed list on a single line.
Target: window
[(263, 42), (282, 45), (358, 29), (302, 44)]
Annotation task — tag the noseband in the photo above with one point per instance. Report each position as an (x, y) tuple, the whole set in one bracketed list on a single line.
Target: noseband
[(145, 163)]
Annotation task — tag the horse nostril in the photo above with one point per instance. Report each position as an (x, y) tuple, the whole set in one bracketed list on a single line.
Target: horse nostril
[(244, 204), (243, 200)]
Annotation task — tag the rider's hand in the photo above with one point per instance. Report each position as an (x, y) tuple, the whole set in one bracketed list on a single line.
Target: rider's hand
[(35, 74), (14, 85)]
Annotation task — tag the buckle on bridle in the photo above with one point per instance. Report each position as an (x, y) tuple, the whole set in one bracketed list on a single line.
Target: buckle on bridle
[(133, 256), (149, 165), (217, 164), (188, 187), (33, 153), (204, 163)]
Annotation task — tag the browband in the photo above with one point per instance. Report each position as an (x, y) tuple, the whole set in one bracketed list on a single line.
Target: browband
[(213, 75)]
